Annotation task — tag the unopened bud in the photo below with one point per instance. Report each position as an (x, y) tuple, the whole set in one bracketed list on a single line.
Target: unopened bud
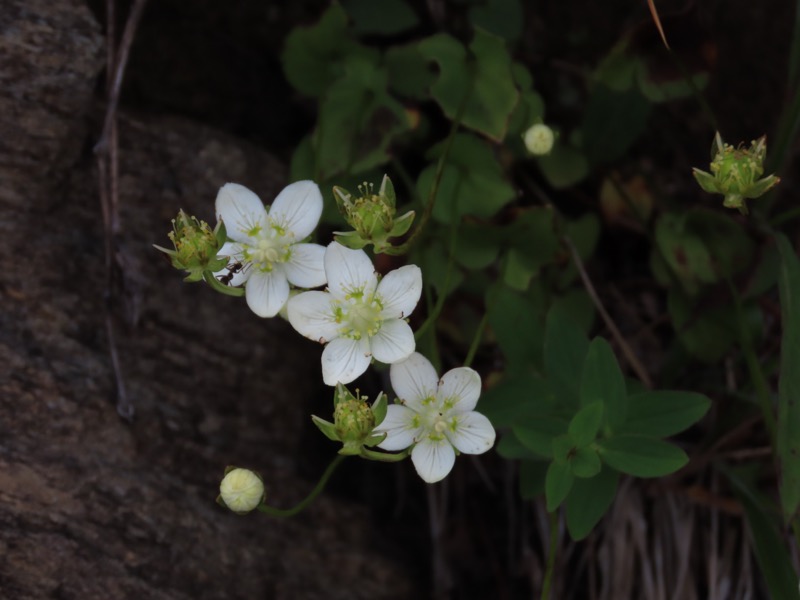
[(241, 490), (539, 139)]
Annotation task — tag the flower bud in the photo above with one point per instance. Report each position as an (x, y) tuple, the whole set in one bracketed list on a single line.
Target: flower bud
[(736, 173), (539, 139), (371, 215), (241, 490), (353, 419), (196, 246)]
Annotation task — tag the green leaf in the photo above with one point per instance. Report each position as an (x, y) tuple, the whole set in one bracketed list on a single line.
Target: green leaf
[(509, 315), (588, 501), (585, 462), (641, 456), (387, 17), (500, 17), (477, 246), (771, 552), (577, 305), (516, 400), (664, 413), (472, 182), (788, 434), (617, 70), (538, 434), (612, 122), (586, 423), (564, 166), (511, 448), (435, 263), (532, 475), (602, 380), (565, 347), (557, 484), (483, 76), (312, 55), (408, 71)]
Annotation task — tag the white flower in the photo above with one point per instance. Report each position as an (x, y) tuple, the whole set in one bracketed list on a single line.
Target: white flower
[(241, 490), (539, 139), (436, 415), (265, 244), (358, 317)]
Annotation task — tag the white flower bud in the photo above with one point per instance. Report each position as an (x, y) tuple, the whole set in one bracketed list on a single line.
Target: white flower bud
[(539, 139), (241, 490)]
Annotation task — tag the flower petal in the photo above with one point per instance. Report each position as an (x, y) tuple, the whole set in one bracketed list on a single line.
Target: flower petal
[(393, 342), (460, 387), (233, 250), (266, 293), (297, 208), (433, 459), (241, 211), (413, 379), (399, 428), (344, 359), (400, 291), (348, 271), (305, 267), (473, 433), (311, 314)]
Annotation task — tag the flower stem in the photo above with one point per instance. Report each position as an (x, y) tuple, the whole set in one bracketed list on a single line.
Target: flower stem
[(290, 512), (476, 341), (382, 456), (551, 555)]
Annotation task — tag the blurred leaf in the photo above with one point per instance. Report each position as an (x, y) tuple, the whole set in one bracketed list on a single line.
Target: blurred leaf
[(408, 71), (511, 448), (478, 245), (387, 17), (564, 166), (772, 555), (765, 273), (557, 484), (532, 234), (503, 18), (435, 264), (529, 110), (517, 399), (517, 325), (312, 55), (612, 122), (617, 71), (664, 413), (532, 475), (588, 501), (586, 423), (538, 434), (788, 442), (665, 91), (584, 233), (472, 182), (602, 381), (642, 456), (585, 463), (577, 305), (565, 347)]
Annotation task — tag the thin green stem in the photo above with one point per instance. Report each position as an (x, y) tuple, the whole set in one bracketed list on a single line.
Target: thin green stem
[(382, 456), (784, 217), (551, 555), (290, 512), (754, 366), (476, 340)]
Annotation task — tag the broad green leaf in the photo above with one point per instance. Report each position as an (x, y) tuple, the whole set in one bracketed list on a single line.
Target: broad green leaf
[(387, 17), (441, 274), (538, 434), (664, 413), (586, 423), (602, 381), (578, 306), (612, 122), (529, 110), (516, 400), (588, 501), (771, 552), (510, 448), (517, 325), (563, 448), (482, 75), (641, 456), (532, 475), (564, 166), (565, 348), (666, 90), (408, 71), (533, 235), (617, 71), (478, 245), (788, 433), (516, 271), (584, 233), (472, 182), (585, 462), (500, 17), (312, 55), (557, 484)]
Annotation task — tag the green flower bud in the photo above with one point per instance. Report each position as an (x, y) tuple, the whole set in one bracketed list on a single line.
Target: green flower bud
[(196, 246), (539, 139), (736, 173), (371, 215), (353, 419), (241, 490)]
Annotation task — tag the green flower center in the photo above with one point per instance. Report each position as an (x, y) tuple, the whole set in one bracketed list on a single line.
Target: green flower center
[(268, 250), (360, 316)]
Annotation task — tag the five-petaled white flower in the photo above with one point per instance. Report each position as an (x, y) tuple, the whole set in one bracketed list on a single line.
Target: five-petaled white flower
[(358, 317), (436, 415), (266, 246)]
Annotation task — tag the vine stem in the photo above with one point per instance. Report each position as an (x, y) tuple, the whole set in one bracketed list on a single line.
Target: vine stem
[(551, 555), (290, 512)]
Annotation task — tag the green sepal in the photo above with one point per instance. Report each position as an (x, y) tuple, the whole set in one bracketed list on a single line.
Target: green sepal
[(379, 408), (351, 239), (221, 233), (326, 427), (375, 439), (402, 224), (222, 289), (341, 196), (762, 186), (706, 180), (735, 201), (350, 448), (194, 277), (387, 192)]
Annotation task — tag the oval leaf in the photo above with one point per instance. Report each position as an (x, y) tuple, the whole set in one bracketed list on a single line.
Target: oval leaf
[(642, 456)]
